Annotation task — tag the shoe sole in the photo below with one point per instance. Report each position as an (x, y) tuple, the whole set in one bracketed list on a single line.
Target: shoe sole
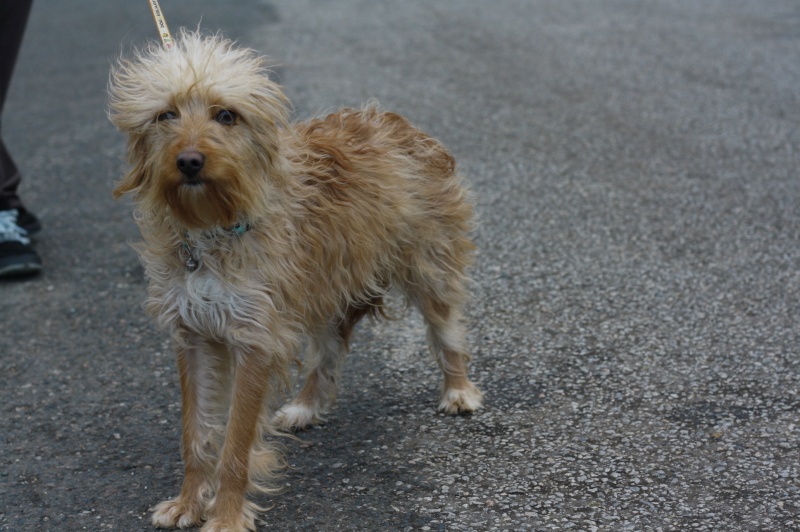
[(20, 269)]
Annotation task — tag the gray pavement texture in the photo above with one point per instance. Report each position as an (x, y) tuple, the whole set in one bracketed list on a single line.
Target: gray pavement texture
[(635, 315)]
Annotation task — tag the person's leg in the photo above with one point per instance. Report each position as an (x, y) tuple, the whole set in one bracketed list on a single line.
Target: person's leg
[(17, 257), (13, 18)]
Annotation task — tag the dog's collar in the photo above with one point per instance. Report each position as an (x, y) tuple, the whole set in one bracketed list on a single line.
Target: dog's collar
[(189, 253), (240, 228)]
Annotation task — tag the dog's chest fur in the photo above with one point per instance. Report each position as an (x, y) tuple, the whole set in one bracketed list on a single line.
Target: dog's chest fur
[(205, 304), (206, 301)]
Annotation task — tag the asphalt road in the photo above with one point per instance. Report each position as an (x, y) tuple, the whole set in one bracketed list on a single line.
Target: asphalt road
[(635, 315)]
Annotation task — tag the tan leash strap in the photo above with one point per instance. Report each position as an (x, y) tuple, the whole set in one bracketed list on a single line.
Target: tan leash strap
[(161, 23)]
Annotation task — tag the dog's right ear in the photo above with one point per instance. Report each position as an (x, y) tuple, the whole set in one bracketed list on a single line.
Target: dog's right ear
[(130, 183), (134, 179)]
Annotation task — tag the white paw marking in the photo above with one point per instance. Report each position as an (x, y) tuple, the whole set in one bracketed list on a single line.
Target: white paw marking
[(294, 416), (173, 513), (461, 401)]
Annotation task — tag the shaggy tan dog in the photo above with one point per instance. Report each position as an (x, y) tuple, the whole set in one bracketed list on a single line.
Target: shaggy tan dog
[(258, 234)]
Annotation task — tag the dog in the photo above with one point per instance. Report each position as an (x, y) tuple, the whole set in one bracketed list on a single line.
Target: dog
[(260, 237)]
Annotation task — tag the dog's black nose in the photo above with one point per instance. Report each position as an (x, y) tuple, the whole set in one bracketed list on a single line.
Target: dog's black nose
[(190, 162)]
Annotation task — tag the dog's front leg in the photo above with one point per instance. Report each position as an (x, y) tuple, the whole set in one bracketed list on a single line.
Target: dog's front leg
[(229, 510), (204, 372)]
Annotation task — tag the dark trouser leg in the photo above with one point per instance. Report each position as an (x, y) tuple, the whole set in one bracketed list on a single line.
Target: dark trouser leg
[(13, 17)]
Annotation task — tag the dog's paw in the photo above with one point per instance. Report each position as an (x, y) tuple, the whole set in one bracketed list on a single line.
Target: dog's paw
[(231, 517), (461, 401), (176, 513), (296, 416)]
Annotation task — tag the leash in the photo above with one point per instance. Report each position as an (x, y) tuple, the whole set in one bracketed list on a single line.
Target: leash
[(161, 23)]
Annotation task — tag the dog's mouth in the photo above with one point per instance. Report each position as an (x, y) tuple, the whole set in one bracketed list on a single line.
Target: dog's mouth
[(193, 180)]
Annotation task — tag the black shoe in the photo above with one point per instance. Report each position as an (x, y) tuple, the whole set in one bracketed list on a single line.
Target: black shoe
[(17, 257), (28, 221)]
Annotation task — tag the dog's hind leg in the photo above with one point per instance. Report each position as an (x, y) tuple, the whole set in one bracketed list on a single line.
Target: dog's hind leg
[(439, 299), (324, 357), (446, 342), (204, 374)]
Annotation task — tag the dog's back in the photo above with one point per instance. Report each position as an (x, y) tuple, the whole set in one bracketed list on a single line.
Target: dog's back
[(390, 191)]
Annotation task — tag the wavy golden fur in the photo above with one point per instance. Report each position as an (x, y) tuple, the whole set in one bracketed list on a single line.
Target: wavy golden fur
[(258, 234)]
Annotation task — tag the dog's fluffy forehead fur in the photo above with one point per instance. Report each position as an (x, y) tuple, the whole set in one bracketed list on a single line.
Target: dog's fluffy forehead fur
[(197, 68)]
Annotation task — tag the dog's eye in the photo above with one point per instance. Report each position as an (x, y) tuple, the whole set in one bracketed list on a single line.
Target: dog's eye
[(166, 115), (226, 118)]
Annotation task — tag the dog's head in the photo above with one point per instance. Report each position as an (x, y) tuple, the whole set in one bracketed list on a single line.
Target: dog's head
[(202, 120)]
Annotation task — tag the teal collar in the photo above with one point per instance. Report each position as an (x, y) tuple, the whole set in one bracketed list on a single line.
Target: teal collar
[(240, 228)]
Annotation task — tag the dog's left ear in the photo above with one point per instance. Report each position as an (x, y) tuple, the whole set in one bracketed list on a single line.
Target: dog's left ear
[(135, 178)]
